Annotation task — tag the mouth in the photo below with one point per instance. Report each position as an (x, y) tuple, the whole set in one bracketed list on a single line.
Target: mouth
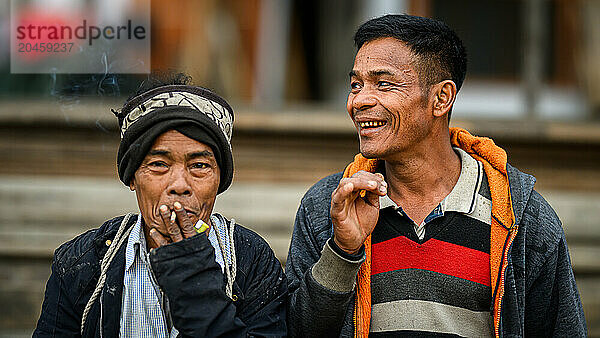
[(371, 124), (369, 128)]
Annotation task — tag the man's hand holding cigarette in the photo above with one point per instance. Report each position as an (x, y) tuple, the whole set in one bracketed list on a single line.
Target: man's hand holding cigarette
[(177, 223)]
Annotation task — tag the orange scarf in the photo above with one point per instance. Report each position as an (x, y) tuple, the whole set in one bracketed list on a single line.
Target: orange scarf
[(503, 230)]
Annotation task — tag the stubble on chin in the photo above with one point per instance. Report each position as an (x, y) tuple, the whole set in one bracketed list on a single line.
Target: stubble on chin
[(368, 149), (370, 154)]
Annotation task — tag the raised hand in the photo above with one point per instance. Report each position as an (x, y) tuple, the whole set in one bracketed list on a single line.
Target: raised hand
[(354, 216), (178, 225)]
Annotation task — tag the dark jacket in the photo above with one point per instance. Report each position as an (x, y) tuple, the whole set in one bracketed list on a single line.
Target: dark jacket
[(540, 299), (188, 274)]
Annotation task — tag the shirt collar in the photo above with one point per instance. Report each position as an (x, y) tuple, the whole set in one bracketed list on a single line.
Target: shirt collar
[(217, 225), (463, 195), (136, 243), (386, 202)]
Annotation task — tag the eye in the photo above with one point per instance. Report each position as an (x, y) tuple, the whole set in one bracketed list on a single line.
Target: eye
[(199, 165), (158, 164), (355, 86), (383, 84)]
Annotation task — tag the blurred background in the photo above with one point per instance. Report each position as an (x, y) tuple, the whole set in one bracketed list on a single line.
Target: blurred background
[(533, 84)]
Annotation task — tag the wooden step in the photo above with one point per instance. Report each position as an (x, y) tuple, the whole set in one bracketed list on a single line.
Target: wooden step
[(38, 213)]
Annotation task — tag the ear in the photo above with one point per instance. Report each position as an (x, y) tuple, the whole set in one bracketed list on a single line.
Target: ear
[(444, 97), (132, 184)]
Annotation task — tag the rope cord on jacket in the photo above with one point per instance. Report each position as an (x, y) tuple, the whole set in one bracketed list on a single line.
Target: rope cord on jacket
[(119, 239), (121, 236)]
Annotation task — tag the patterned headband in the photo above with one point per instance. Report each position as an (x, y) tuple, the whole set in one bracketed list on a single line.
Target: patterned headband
[(212, 109)]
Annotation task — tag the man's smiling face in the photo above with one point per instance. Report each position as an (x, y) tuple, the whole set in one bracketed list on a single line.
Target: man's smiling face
[(386, 101), (176, 169)]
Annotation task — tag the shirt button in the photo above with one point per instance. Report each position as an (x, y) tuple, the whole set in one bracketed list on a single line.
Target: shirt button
[(108, 242)]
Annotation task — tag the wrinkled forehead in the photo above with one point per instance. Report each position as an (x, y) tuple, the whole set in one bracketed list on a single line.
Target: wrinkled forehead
[(176, 143), (384, 52)]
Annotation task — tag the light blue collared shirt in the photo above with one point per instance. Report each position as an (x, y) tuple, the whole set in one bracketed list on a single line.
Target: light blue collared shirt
[(144, 310)]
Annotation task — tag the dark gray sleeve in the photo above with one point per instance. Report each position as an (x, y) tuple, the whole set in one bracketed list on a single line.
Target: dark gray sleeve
[(74, 273), (321, 282), (262, 296), (192, 280), (552, 303), (58, 316), (553, 307)]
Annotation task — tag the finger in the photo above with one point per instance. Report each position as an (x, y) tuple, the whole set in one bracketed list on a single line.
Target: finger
[(372, 199), (369, 176), (158, 238), (382, 182), (172, 227), (185, 223), (382, 188), (377, 177), (164, 215), (367, 183), (342, 193), (189, 231)]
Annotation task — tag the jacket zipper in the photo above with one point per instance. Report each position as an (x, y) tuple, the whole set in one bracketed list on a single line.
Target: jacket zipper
[(500, 295), (356, 334)]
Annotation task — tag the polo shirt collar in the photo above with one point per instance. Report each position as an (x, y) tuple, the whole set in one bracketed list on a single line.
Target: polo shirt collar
[(463, 196)]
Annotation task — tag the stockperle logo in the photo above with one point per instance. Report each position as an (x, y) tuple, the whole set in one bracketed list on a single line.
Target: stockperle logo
[(80, 36)]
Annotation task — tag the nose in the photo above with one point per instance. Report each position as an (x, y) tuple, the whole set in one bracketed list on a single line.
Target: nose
[(179, 182), (362, 100)]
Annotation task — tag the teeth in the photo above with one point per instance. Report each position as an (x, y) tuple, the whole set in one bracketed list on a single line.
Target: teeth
[(371, 124)]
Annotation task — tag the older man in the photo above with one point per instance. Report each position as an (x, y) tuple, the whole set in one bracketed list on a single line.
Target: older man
[(429, 232), (177, 268)]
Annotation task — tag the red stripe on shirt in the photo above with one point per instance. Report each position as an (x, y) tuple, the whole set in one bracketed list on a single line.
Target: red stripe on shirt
[(433, 255)]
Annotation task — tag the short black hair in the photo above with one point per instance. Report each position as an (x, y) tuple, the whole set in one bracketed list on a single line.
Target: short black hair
[(155, 79), (161, 78), (440, 53)]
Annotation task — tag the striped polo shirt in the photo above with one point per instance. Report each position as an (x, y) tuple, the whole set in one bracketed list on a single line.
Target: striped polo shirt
[(433, 279)]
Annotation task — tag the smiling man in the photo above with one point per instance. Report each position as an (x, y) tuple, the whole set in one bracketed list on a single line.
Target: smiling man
[(429, 231), (177, 268)]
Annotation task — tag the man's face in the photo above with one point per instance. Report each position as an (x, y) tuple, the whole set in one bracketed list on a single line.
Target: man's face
[(176, 169), (386, 102)]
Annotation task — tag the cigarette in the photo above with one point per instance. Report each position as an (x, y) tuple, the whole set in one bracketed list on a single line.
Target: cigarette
[(173, 216)]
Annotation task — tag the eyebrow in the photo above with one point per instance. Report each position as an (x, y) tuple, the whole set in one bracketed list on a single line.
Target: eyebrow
[(380, 72), (191, 156), (374, 73), (204, 153), (155, 152)]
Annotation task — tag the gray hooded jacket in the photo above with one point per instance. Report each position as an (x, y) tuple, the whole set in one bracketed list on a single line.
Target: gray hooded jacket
[(541, 297)]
